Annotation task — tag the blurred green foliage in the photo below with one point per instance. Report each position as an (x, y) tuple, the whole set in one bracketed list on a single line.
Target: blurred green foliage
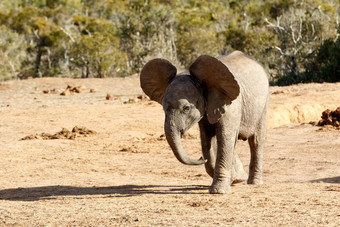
[(324, 65), (296, 41)]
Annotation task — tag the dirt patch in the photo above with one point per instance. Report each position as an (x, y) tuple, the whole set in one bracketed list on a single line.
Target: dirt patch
[(77, 131), (294, 113), (3, 87), (127, 175), (301, 103)]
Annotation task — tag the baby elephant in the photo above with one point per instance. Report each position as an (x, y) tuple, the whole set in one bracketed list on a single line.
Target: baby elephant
[(228, 97)]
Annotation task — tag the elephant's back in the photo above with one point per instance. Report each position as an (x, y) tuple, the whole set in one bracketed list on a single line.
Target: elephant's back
[(248, 72)]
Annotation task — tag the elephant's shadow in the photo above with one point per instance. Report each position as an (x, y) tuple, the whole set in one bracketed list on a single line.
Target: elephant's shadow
[(332, 180), (51, 192)]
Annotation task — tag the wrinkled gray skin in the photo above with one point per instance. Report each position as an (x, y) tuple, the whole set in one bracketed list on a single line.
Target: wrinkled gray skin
[(228, 98)]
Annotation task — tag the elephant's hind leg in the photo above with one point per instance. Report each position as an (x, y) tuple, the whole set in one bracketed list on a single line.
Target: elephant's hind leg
[(238, 173), (256, 144)]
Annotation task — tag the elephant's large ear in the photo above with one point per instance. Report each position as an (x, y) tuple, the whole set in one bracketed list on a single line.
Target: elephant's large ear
[(155, 77), (222, 88)]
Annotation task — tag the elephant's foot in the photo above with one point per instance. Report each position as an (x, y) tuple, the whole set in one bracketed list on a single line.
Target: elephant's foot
[(220, 187), (239, 175), (257, 179)]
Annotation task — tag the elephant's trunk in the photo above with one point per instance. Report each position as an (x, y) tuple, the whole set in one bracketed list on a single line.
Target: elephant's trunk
[(173, 136)]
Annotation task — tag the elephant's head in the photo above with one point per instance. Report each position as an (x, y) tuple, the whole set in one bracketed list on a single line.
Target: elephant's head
[(187, 97)]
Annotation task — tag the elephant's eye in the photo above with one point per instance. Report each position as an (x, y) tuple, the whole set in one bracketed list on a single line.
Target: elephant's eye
[(186, 109)]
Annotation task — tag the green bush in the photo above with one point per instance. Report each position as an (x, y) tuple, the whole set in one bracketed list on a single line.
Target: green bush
[(325, 66)]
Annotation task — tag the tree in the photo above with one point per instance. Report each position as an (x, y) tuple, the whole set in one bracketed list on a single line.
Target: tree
[(325, 64), (117, 37), (97, 48), (198, 31), (300, 30), (12, 52), (146, 29)]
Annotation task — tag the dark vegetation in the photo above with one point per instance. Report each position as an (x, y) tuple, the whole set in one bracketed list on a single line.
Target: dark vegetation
[(296, 41)]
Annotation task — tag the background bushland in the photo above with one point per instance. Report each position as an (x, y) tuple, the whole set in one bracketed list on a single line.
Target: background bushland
[(296, 41)]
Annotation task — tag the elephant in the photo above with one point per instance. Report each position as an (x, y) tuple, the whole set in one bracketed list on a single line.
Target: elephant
[(228, 97)]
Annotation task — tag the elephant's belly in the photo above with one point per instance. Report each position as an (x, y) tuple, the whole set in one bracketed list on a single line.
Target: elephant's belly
[(246, 132)]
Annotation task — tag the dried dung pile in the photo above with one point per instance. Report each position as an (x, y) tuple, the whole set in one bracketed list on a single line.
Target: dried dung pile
[(52, 91), (77, 131), (331, 118), (111, 97), (71, 89), (139, 98)]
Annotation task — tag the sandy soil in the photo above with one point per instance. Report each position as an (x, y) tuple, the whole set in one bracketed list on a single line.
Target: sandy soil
[(126, 175)]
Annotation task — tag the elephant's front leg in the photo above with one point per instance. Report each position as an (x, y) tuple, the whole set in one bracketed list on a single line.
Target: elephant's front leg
[(208, 142), (209, 148), (224, 161), (209, 154)]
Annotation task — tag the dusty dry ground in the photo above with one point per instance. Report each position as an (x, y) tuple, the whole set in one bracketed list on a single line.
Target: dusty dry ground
[(126, 175)]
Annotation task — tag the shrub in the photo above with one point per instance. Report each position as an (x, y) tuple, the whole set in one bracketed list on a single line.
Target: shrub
[(325, 66)]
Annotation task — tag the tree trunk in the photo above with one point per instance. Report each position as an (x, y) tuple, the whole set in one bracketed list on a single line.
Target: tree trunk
[(37, 61)]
